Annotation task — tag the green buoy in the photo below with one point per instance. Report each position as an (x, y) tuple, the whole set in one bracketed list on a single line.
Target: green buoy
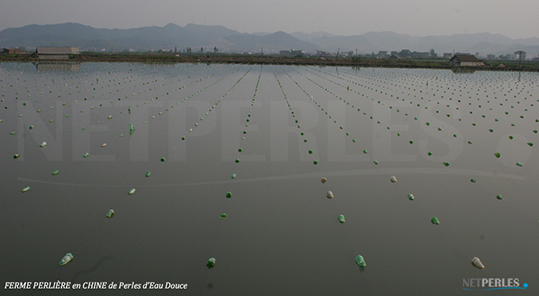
[(110, 213), (360, 261), (210, 263)]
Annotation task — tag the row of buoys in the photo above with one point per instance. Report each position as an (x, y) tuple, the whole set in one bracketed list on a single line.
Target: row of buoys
[(323, 180)]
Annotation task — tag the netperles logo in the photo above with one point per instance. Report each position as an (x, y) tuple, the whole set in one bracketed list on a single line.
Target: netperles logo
[(488, 284)]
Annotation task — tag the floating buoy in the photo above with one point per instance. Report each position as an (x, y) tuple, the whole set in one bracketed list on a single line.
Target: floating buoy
[(25, 189), (86, 155), (43, 145), (519, 163), (148, 174), (132, 191), (233, 176), (360, 261), (210, 263), (162, 159), (330, 195), (435, 221), (237, 160), (393, 179), (223, 216), (66, 259), (323, 180), (229, 194), (446, 163), (15, 156), (499, 196), (110, 214), (497, 154), (55, 172), (476, 262), (341, 218), (410, 196), (376, 162), (103, 145), (131, 129), (472, 180)]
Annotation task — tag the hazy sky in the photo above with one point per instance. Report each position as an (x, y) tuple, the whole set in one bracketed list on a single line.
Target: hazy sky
[(512, 18)]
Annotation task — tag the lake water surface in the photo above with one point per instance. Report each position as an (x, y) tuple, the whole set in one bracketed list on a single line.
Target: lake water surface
[(279, 129)]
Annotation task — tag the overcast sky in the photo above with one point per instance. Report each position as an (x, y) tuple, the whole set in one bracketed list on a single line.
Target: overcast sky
[(512, 18)]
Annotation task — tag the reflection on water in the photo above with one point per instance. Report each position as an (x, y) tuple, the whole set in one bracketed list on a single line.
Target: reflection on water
[(268, 125), (57, 66)]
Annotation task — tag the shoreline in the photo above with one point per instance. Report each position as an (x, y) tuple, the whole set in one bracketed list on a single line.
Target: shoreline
[(300, 61)]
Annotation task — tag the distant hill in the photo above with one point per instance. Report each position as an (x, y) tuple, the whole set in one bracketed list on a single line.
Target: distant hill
[(196, 36), (311, 36), (276, 42), (484, 43), (147, 38)]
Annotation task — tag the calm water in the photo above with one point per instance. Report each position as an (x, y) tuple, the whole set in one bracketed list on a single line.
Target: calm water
[(282, 235)]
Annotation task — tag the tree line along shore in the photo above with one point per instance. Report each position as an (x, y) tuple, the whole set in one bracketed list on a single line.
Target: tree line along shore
[(435, 63)]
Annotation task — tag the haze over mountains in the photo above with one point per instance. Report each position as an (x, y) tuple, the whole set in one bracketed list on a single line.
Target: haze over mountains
[(195, 36)]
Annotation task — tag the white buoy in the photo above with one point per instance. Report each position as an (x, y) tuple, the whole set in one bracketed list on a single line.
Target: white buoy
[(477, 263)]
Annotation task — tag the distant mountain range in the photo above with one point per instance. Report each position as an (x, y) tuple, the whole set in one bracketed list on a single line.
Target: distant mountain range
[(195, 36)]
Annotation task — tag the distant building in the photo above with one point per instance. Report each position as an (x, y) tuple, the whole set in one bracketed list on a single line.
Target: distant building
[(405, 54), (323, 53), (394, 57), (15, 50), (491, 56), (296, 52), (520, 55), (284, 52), (447, 55), (416, 54), (465, 60), (56, 53), (382, 53), (394, 53)]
